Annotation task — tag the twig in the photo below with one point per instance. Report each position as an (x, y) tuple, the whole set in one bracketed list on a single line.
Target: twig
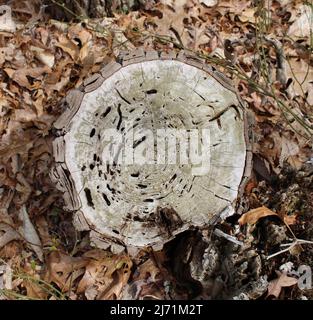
[(290, 246), (222, 234), (300, 241)]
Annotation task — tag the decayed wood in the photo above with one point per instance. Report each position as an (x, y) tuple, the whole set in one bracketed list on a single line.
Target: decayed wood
[(248, 126), (64, 182), (141, 205), (151, 55), (72, 103), (110, 69), (195, 61), (104, 243), (93, 82), (58, 149), (80, 221), (168, 55), (134, 56)]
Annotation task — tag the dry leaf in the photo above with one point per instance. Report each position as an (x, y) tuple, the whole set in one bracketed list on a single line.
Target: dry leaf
[(120, 278), (275, 286), (292, 219), (21, 75), (7, 234), (76, 32), (63, 269), (34, 288), (247, 15), (296, 250), (6, 275), (209, 3), (85, 52), (301, 74), (289, 149), (149, 269), (252, 216), (43, 230), (303, 24), (309, 98), (44, 56), (69, 47), (105, 275), (6, 22), (30, 233), (23, 187)]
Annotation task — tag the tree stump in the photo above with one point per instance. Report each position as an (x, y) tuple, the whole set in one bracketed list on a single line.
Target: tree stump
[(154, 144)]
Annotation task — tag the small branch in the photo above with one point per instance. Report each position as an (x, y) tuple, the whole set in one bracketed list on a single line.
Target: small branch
[(299, 241), (222, 234), (290, 246)]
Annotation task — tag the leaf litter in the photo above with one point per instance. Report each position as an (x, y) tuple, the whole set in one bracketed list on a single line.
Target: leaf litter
[(41, 59)]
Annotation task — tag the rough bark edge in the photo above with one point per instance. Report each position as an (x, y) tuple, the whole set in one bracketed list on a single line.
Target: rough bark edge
[(99, 241), (249, 138), (61, 177), (74, 97), (59, 173), (71, 104)]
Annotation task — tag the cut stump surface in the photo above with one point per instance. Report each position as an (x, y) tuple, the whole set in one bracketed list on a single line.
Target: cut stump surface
[(152, 145)]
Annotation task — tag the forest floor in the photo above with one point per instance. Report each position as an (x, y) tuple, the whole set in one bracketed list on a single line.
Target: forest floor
[(264, 46)]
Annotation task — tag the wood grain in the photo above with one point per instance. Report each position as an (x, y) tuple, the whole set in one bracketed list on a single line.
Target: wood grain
[(148, 204)]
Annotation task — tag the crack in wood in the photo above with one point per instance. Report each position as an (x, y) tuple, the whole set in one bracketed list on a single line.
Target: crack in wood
[(120, 95)]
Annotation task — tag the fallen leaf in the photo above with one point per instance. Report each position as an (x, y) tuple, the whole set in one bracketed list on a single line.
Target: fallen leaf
[(30, 233), (301, 74), (292, 219), (77, 32), (23, 187), (289, 149), (209, 3), (35, 290), (150, 277), (21, 75), (275, 286), (302, 26), (6, 22), (149, 269), (63, 269), (44, 56), (250, 186), (105, 275), (68, 46), (7, 234), (6, 275), (296, 250), (43, 230), (247, 15), (309, 98), (85, 52), (252, 216)]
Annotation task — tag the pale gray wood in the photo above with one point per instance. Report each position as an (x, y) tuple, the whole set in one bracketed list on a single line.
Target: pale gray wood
[(155, 90)]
